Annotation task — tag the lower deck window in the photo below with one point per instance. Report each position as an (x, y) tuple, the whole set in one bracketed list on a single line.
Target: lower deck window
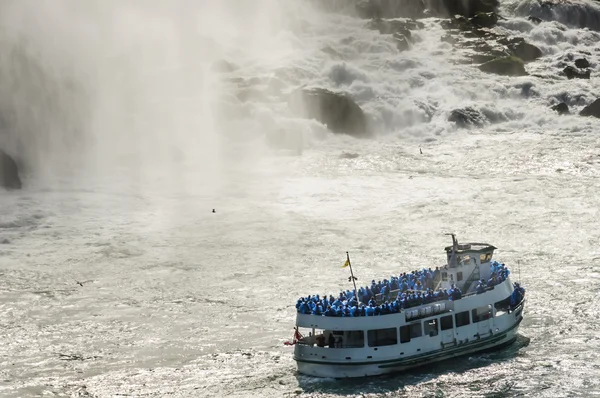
[(503, 305), (382, 337), (446, 322), (430, 327), (354, 339), (332, 338), (482, 313), (415, 330), (405, 334), (462, 319)]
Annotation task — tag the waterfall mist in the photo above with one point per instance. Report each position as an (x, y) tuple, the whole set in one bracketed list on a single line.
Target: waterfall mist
[(134, 89)]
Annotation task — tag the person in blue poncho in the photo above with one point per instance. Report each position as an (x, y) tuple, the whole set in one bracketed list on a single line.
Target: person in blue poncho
[(370, 310), (517, 295)]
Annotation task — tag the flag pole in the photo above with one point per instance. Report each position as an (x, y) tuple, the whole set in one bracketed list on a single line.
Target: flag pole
[(352, 276)]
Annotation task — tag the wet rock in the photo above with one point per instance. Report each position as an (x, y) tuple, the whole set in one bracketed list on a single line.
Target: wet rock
[(481, 58), (459, 22), (385, 26), (467, 8), (402, 43), (527, 52), (467, 117), (477, 26), (485, 51), (562, 109), (535, 20), (9, 172), (391, 8), (573, 73), (592, 109), (582, 63), (507, 66), (336, 110), (348, 155), (423, 8), (572, 13), (485, 19), (448, 38), (337, 6)]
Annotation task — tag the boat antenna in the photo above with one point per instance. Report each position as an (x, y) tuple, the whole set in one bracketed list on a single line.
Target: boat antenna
[(351, 277), (452, 261)]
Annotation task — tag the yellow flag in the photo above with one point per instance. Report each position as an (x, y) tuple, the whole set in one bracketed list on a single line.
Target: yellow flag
[(347, 263)]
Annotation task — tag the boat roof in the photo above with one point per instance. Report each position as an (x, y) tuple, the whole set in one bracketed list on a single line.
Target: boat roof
[(473, 247)]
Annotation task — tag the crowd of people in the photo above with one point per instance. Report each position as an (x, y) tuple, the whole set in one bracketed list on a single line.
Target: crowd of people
[(498, 274), (394, 295)]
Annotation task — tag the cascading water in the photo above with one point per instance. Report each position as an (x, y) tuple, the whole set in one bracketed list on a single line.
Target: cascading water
[(132, 120)]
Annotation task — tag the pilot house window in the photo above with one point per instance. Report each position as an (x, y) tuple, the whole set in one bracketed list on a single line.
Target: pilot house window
[(459, 276)]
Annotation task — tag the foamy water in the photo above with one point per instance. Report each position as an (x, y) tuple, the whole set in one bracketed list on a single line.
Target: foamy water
[(177, 300)]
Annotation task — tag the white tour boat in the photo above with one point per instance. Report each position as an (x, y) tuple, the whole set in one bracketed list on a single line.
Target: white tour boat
[(347, 339)]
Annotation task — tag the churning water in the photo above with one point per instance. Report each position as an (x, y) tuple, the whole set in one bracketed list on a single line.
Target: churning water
[(132, 120)]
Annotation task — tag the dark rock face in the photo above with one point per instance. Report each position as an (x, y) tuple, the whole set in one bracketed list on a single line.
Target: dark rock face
[(468, 8), (592, 109), (562, 109), (467, 117), (573, 73), (448, 38), (423, 8), (336, 110), (9, 172), (535, 20), (508, 66), (573, 13), (391, 9), (582, 63), (385, 26), (400, 29), (339, 6), (485, 19)]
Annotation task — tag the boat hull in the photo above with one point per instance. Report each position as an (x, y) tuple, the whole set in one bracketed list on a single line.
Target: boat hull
[(352, 370)]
